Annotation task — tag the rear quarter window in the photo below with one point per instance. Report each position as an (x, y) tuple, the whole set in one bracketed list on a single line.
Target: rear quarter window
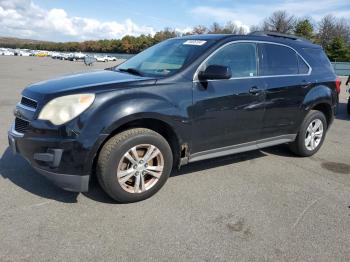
[(303, 67), (318, 59)]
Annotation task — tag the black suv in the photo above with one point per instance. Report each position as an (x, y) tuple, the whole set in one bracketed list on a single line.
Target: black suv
[(183, 100)]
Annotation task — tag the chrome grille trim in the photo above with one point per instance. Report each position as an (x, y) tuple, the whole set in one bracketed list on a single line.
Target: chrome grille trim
[(21, 125), (27, 103), (26, 107), (14, 132)]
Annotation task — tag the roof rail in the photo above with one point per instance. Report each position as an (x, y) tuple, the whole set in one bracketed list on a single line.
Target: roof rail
[(277, 34)]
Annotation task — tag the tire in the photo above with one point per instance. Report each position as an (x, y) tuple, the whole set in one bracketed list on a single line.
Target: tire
[(348, 107), (114, 165), (299, 146)]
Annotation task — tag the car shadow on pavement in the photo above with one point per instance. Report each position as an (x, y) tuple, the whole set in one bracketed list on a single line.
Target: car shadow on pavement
[(96, 193), (342, 113), (18, 171), (217, 162), (280, 150)]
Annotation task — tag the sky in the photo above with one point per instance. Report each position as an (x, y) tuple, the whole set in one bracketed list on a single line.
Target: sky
[(79, 20)]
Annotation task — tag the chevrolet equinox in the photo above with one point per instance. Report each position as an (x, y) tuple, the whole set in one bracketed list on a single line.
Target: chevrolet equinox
[(183, 100)]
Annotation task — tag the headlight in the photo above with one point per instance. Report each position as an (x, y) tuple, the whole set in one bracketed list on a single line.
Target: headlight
[(63, 109)]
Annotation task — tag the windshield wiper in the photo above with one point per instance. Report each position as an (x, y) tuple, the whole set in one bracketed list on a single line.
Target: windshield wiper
[(133, 71)]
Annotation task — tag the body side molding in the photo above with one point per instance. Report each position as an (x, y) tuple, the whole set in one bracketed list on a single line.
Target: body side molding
[(234, 149)]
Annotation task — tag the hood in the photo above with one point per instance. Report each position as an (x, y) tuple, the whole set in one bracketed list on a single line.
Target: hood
[(84, 82)]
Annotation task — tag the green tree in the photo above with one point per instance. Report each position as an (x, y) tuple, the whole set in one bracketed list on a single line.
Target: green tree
[(337, 50), (163, 35), (304, 28)]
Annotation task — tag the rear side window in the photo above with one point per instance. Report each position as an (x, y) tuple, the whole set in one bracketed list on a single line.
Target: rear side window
[(278, 60)]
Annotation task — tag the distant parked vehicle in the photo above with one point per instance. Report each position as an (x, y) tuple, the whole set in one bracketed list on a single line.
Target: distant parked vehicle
[(8, 53), (42, 54), (55, 55), (101, 58), (111, 58), (24, 53), (76, 56), (79, 56), (65, 56)]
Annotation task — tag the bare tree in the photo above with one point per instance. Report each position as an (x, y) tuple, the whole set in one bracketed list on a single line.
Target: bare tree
[(255, 28), (215, 28), (342, 29), (200, 29), (330, 27), (280, 21), (233, 28), (326, 30)]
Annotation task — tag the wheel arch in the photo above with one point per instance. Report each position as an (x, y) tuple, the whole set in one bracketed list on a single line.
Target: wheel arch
[(178, 147), (326, 109), (321, 98)]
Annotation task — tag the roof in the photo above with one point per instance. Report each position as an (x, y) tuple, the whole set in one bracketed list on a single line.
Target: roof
[(278, 38), (206, 37)]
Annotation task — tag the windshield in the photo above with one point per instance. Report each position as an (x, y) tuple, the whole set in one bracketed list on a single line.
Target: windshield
[(165, 58)]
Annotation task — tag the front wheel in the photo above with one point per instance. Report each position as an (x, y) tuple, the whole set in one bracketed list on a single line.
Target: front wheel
[(134, 165), (311, 134), (348, 106)]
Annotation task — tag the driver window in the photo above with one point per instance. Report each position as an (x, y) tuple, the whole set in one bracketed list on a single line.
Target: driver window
[(239, 57)]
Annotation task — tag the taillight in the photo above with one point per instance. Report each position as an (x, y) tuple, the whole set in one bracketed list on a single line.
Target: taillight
[(338, 84)]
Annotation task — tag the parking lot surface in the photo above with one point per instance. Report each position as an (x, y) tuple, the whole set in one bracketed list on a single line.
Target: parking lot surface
[(266, 205)]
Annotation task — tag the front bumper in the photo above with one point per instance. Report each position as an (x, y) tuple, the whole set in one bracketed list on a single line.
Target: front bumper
[(67, 182), (67, 162)]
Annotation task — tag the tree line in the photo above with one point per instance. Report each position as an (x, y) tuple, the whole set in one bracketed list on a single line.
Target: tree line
[(332, 33)]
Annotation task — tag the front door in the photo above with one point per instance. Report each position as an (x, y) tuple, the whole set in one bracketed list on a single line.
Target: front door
[(228, 112)]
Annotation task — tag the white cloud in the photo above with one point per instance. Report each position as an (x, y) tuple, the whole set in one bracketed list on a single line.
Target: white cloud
[(22, 18), (223, 15), (183, 30), (251, 14)]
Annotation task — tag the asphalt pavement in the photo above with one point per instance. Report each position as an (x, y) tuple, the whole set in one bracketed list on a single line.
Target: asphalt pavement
[(266, 205)]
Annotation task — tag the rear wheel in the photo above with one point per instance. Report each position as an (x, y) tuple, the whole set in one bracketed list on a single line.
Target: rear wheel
[(311, 134), (348, 106), (134, 165)]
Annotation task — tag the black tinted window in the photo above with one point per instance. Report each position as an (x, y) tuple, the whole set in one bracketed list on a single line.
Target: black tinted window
[(303, 67), (167, 57), (277, 60), (240, 58), (318, 59)]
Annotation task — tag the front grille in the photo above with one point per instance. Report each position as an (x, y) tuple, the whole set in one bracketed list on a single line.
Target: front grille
[(29, 102), (21, 125)]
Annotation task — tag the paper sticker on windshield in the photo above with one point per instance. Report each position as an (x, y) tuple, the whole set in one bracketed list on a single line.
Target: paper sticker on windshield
[(195, 42)]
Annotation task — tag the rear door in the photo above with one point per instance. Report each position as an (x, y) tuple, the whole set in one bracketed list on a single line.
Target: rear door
[(286, 80)]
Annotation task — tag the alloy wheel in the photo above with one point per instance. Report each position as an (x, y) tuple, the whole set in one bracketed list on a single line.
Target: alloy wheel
[(314, 134), (140, 168)]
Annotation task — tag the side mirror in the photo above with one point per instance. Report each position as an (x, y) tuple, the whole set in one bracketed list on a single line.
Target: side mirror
[(214, 72)]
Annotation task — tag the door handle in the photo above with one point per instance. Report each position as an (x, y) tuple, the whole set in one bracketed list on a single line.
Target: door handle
[(255, 90)]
